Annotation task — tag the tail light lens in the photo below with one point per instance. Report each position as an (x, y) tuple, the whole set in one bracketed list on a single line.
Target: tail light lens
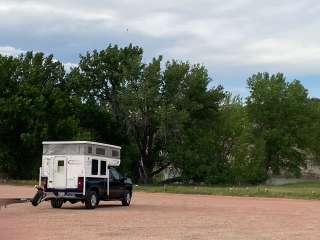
[(44, 182), (80, 184)]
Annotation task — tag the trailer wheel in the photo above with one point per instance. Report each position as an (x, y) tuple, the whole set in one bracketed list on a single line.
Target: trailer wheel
[(126, 199), (56, 202), (92, 200), (37, 198)]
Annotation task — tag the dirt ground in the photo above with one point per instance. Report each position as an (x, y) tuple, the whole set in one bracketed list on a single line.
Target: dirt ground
[(162, 216)]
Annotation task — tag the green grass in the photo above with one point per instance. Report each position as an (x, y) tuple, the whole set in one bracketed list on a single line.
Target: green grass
[(302, 190)]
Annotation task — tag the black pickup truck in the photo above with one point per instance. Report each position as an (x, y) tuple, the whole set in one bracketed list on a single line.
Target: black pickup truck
[(120, 188), (115, 188)]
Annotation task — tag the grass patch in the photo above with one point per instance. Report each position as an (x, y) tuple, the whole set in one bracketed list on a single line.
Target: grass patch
[(19, 182), (302, 190)]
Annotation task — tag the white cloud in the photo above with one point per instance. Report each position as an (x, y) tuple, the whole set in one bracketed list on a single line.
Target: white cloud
[(232, 38), (283, 51), (69, 65), (10, 51)]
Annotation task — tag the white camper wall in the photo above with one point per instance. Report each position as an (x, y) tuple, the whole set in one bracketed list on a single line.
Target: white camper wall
[(45, 166), (75, 169)]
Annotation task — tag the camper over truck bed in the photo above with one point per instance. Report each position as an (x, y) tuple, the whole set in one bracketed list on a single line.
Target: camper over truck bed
[(82, 171)]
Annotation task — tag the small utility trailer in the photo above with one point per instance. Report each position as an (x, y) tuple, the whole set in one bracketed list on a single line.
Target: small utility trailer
[(81, 171)]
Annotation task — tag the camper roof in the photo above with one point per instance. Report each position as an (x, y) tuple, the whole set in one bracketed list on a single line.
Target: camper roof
[(79, 142)]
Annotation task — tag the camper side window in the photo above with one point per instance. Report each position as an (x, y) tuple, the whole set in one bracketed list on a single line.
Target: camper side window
[(90, 150), (100, 151), (94, 167), (115, 153), (103, 167)]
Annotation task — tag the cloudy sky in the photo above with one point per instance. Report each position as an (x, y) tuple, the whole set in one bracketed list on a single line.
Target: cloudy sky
[(233, 38)]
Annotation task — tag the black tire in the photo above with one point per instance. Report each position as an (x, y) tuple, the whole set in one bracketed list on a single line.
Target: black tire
[(92, 200), (126, 198), (37, 198), (56, 202)]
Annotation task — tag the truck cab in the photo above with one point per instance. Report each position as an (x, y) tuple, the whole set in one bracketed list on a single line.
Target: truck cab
[(82, 171)]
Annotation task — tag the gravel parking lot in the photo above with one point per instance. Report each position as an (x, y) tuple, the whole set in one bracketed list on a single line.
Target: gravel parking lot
[(162, 216)]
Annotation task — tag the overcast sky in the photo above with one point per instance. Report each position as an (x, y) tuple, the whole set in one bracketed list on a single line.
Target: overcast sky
[(233, 38)]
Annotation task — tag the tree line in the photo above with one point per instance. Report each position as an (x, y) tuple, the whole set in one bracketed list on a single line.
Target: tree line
[(162, 114)]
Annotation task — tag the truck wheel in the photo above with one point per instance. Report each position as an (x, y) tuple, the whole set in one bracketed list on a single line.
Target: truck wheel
[(37, 198), (92, 200), (56, 203), (126, 199)]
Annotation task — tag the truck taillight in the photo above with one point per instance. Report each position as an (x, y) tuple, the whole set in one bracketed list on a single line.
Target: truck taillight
[(44, 182), (80, 184)]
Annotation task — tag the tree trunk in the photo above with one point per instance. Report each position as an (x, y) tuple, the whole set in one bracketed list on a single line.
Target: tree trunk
[(145, 168)]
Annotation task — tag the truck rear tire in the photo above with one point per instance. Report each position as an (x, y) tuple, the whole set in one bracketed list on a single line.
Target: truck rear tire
[(92, 200), (126, 199), (56, 202)]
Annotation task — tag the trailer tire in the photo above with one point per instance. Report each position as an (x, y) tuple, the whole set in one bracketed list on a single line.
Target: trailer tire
[(37, 198), (56, 202), (92, 200), (126, 198)]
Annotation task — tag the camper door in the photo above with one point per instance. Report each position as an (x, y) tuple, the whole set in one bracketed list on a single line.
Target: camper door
[(60, 172)]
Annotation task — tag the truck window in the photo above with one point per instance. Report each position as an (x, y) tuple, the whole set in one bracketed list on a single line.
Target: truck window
[(114, 174), (103, 167), (94, 167)]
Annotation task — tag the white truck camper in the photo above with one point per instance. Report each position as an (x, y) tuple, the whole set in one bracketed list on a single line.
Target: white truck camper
[(81, 171)]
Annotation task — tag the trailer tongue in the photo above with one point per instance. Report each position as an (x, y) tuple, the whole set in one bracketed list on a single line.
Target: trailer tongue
[(4, 202), (37, 198)]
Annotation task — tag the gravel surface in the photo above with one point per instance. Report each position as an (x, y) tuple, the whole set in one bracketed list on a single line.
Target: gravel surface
[(162, 216)]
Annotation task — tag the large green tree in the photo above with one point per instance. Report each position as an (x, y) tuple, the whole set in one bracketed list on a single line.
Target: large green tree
[(314, 133), (34, 106), (279, 112), (190, 112), (154, 107), (100, 85), (236, 143)]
